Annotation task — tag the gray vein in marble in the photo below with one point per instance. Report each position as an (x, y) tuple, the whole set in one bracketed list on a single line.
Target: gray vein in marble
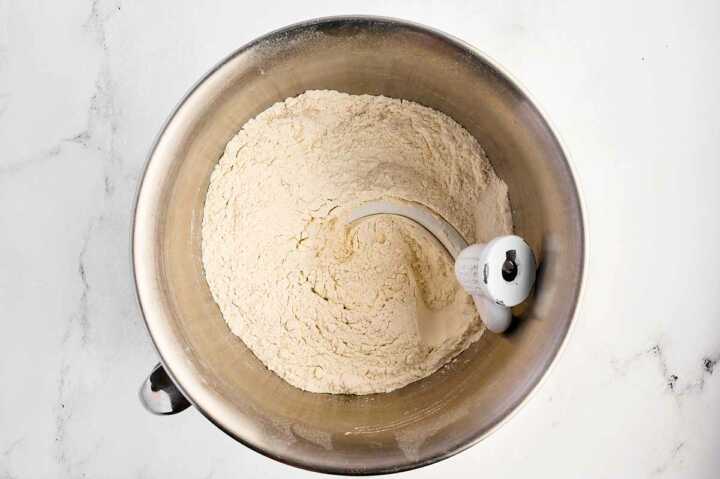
[(21, 165), (676, 385), (5, 473), (62, 415), (100, 136), (5, 458), (709, 363), (44, 156), (95, 22), (675, 457), (11, 447), (81, 315)]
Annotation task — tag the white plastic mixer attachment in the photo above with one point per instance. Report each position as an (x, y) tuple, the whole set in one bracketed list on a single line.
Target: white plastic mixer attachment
[(498, 274)]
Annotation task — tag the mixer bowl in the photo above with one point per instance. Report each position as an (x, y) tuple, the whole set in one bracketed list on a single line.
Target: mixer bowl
[(425, 421)]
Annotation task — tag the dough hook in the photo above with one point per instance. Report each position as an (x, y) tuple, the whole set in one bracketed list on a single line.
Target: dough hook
[(498, 274)]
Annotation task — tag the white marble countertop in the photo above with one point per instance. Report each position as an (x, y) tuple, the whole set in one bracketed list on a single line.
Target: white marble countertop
[(632, 88)]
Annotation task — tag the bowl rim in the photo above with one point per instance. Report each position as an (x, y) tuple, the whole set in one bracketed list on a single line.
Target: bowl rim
[(143, 271)]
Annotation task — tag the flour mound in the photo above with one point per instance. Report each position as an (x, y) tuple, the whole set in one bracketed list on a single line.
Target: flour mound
[(330, 307)]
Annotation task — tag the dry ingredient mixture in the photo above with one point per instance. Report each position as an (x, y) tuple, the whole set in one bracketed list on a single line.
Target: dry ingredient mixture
[(353, 308)]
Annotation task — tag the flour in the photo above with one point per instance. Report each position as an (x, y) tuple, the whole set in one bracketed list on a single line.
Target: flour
[(330, 307)]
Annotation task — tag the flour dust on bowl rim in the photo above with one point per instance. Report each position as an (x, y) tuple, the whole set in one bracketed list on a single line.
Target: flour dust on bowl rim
[(427, 420)]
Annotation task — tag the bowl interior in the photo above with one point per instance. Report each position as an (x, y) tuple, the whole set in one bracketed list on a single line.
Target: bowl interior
[(429, 419)]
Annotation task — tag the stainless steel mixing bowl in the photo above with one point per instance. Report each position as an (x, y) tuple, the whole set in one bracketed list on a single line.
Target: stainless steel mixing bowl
[(430, 419)]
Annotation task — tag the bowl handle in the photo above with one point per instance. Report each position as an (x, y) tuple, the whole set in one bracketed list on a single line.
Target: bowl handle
[(159, 394)]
